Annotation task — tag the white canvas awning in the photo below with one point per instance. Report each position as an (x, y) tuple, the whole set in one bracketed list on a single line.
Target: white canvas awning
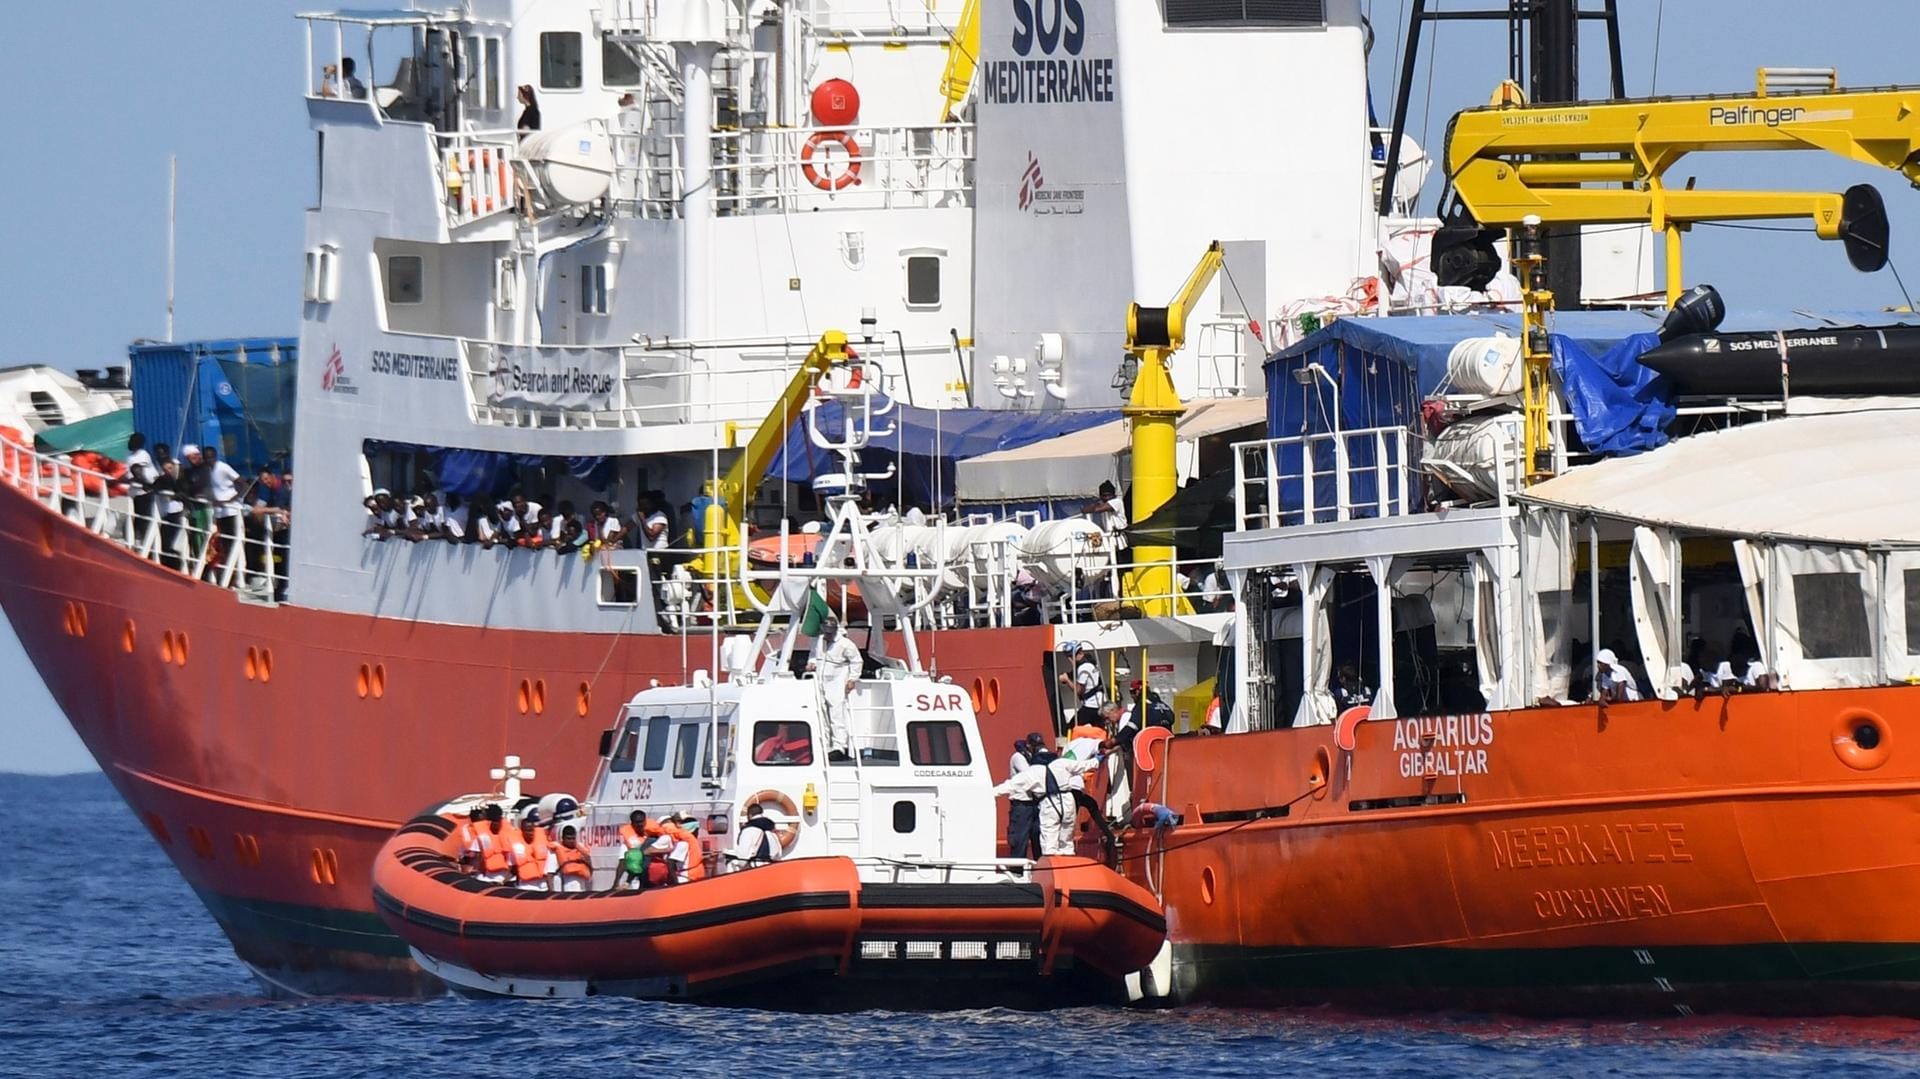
[(1846, 478), (1075, 464)]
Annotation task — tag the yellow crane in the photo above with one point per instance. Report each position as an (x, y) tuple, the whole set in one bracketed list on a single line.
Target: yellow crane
[(963, 56), (718, 563), (1515, 165), (1607, 162), (1152, 410)]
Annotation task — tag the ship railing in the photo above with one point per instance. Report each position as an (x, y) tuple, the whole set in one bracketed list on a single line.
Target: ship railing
[(195, 542), (1222, 354), (1328, 477), (637, 19), (892, 21), (803, 169), (1190, 589), (476, 172)]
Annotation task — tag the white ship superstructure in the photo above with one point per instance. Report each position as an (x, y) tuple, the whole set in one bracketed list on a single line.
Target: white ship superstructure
[(637, 281)]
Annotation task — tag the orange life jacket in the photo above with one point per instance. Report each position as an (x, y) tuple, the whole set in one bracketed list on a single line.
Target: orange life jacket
[(531, 859), (495, 846), (573, 861), (696, 855), (631, 839)]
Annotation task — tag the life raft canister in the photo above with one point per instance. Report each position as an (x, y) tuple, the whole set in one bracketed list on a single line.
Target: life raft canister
[(787, 830), (827, 181)]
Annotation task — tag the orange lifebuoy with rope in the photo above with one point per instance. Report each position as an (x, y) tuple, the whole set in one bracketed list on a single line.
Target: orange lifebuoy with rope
[(786, 830), (828, 181)]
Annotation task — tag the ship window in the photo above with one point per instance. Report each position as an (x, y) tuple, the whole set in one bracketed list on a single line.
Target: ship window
[(904, 817), (1832, 612), (686, 750), (923, 280), (657, 728), (1912, 581), (619, 66), (628, 750), (719, 742), (782, 743), (593, 289), (493, 73), (1226, 13), (560, 60), (940, 741), (406, 279)]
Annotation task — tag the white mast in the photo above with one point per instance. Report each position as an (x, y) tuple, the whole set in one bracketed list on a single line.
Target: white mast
[(173, 188)]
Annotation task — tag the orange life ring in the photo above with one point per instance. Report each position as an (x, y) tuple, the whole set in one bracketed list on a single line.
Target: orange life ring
[(831, 183), (787, 831)]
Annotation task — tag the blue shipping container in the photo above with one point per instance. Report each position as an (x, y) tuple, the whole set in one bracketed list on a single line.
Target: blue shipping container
[(235, 394)]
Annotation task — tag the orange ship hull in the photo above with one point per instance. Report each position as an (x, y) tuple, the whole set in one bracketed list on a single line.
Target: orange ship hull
[(1745, 853), (272, 750), (1071, 933)]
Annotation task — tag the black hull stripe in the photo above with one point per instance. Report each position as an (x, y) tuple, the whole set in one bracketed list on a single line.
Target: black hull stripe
[(772, 906), (998, 897), (1007, 896)]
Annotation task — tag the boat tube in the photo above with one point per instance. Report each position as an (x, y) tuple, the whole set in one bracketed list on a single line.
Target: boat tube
[(1774, 363), (804, 934)]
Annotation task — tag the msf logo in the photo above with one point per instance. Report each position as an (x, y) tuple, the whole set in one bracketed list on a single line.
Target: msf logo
[(1049, 24), (1030, 181), (333, 376)]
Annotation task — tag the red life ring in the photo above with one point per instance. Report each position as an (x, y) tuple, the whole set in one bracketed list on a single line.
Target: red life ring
[(827, 182)]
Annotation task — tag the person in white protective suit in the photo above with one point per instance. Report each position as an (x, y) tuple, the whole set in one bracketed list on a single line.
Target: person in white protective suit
[(836, 665), (1053, 784)]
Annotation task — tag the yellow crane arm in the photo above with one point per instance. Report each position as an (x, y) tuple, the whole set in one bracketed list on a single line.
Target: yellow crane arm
[(1606, 162), (963, 55), (751, 466), (717, 564), (1165, 328)]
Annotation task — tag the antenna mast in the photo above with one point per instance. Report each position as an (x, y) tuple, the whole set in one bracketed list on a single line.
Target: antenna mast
[(173, 188)]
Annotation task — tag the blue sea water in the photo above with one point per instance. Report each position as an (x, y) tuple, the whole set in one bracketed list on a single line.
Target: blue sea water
[(109, 966)]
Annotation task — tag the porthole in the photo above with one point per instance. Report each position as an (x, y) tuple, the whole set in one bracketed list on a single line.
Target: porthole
[(378, 685), (364, 683), (1207, 885)]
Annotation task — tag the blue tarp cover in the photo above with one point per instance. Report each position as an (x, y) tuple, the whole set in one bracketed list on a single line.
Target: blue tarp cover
[(1386, 366), (921, 436), (1373, 396)]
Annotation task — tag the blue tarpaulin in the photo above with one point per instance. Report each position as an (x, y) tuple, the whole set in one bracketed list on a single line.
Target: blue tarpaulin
[(1386, 366), (923, 436), (1619, 407)]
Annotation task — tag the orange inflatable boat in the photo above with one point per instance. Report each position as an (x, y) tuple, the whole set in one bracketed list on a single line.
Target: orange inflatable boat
[(804, 934)]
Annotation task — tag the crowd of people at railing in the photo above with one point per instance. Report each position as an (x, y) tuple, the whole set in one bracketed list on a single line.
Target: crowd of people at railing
[(192, 511), (517, 522)]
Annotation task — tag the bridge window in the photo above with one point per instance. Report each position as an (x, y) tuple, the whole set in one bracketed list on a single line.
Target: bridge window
[(938, 742), (778, 743), (493, 73), (628, 748), (657, 728), (686, 750), (1211, 13), (619, 65), (406, 279), (560, 60)]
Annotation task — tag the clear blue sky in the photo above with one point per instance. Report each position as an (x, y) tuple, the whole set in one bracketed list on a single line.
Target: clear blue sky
[(101, 100)]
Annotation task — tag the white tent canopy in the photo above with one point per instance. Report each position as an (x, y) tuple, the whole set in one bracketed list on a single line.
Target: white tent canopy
[(1846, 478), (1076, 463)]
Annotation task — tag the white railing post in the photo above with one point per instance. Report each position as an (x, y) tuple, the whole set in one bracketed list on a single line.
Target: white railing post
[(1273, 484)]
